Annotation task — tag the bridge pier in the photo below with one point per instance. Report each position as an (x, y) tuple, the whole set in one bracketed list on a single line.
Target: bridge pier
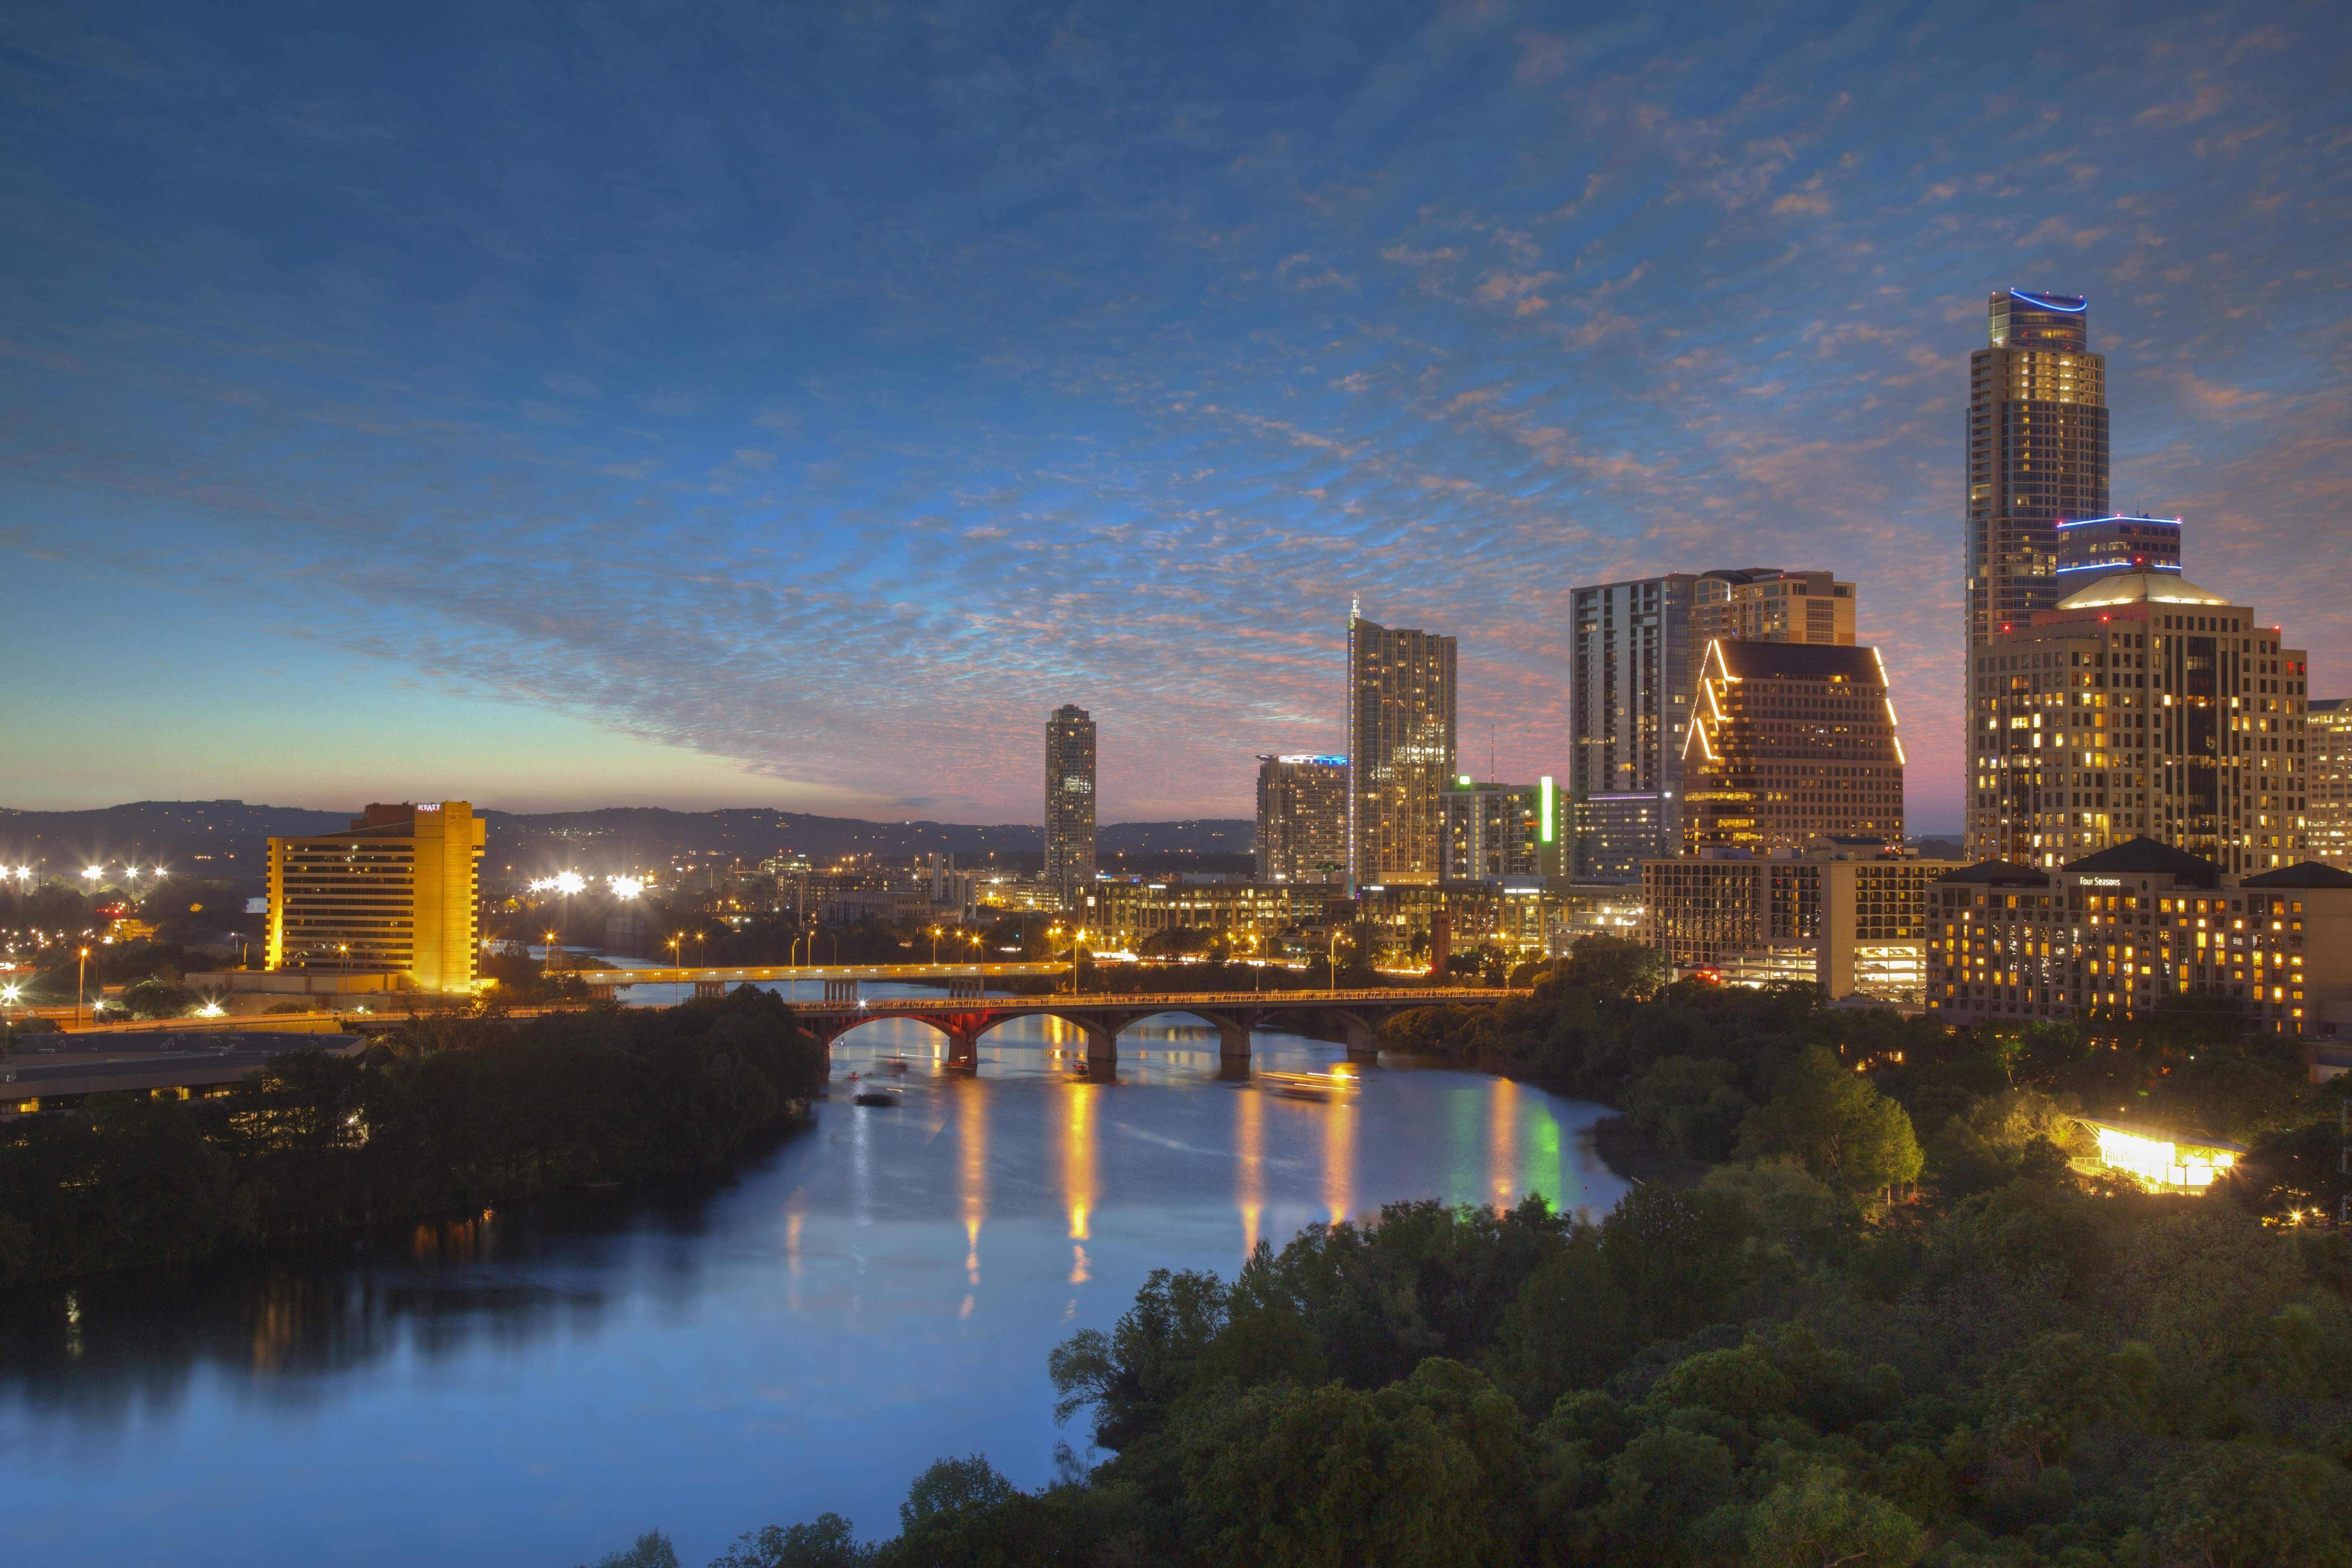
[(1102, 1048), (1363, 1040), (1233, 1036), (709, 990), (963, 1050)]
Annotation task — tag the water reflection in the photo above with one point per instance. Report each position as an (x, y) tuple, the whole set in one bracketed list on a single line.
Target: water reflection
[(542, 1385)]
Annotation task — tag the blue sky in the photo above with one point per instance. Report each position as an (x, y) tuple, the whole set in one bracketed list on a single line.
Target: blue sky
[(717, 404)]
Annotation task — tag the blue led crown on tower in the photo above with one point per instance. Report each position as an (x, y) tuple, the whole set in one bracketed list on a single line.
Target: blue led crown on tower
[(2092, 546)]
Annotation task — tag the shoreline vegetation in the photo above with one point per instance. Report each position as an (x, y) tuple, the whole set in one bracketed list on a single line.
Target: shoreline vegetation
[(1811, 1338), (449, 1113)]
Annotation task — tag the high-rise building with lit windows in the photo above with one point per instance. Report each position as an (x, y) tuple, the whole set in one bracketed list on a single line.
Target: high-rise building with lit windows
[(2328, 829), (2037, 454), (1302, 819), (1633, 659), (1070, 803), (1790, 743), (1400, 752), (394, 894), (2090, 548), (2141, 706)]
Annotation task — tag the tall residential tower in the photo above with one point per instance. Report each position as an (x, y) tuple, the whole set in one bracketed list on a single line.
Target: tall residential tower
[(1400, 752), (1302, 819), (1070, 803)]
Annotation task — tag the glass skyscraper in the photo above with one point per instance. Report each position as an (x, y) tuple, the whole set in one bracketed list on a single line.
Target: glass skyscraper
[(1400, 752)]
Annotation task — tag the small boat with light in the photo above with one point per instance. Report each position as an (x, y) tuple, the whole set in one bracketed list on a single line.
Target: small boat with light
[(1325, 1086)]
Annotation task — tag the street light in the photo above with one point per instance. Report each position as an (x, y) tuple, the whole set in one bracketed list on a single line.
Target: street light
[(81, 980)]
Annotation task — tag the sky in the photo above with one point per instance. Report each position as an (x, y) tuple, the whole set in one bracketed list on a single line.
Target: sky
[(732, 405)]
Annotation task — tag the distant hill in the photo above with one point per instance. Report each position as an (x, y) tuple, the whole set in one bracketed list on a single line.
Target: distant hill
[(228, 838)]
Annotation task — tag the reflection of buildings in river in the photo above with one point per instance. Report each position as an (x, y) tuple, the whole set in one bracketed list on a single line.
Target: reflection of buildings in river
[(1249, 1162), (1078, 1174)]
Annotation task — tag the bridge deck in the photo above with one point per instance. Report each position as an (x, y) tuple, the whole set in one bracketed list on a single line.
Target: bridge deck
[(1165, 1002), (899, 972)]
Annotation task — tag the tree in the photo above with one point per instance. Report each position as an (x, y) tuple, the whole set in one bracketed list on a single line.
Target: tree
[(1615, 968), (952, 1486), (1836, 1124), (1819, 1522), (828, 1542), (2246, 1504), (652, 1549)]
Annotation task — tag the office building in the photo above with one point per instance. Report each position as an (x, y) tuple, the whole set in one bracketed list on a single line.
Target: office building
[(1399, 751), (1634, 662), (394, 895), (1770, 607), (2327, 822), (2137, 927), (2094, 547), (1848, 915), (1069, 803), (1302, 819), (1790, 742), (2141, 705), (1249, 915), (1496, 832), (2037, 455)]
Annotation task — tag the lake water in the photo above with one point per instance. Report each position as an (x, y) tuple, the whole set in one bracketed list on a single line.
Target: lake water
[(871, 1292)]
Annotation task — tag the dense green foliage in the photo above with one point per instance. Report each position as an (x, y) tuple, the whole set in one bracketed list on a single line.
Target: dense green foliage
[(1838, 1347), (451, 1113)]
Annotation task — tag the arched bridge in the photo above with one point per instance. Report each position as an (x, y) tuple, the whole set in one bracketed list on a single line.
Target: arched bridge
[(965, 1019)]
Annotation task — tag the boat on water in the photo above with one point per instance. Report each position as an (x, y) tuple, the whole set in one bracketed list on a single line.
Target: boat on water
[(878, 1095), (1325, 1086)]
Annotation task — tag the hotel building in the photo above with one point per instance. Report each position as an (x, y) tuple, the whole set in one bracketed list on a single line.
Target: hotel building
[(2140, 705), (1848, 916), (1069, 803), (2136, 927), (1399, 751), (1302, 819), (394, 895), (1790, 743), (1770, 607)]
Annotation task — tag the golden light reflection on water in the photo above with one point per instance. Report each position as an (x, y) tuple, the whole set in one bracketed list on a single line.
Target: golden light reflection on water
[(1078, 1174), (1338, 1154), (1249, 1162), (972, 1142), (1502, 1143)]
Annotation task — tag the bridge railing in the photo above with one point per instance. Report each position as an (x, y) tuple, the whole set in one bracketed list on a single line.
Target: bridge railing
[(1159, 1001)]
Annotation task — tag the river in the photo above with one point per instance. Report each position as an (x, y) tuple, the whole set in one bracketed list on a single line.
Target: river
[(538, 1386)]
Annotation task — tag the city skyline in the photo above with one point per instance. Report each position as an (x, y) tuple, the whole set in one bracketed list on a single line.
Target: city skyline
[(595, 479)]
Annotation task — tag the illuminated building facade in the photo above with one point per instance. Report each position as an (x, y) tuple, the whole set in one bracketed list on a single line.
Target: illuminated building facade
[(1245, 913), (1634, 662), (1399, 751), (1848, 917), (1069, 803), (2090, 548), (1770, 607), (2037, 454), (2327, 825), (2140, 705), (1498, 831), (2135, 928), (394, 895), (1302, 819), (1789, 742)]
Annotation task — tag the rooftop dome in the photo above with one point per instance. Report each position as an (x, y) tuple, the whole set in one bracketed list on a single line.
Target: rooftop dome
[(2133, 587)]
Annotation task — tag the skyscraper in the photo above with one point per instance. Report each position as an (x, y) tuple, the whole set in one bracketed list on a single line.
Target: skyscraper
[(1070, 803), (1633, 658), (1791, 741), (2330, 780), (2037, 454), (1302, 819), (1399, 751), (2141, 706)]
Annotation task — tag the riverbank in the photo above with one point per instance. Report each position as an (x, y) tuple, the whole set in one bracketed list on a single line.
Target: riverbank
[(451, 1114)]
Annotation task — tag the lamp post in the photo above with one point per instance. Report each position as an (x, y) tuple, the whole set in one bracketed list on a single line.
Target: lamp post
[(81, 983)]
